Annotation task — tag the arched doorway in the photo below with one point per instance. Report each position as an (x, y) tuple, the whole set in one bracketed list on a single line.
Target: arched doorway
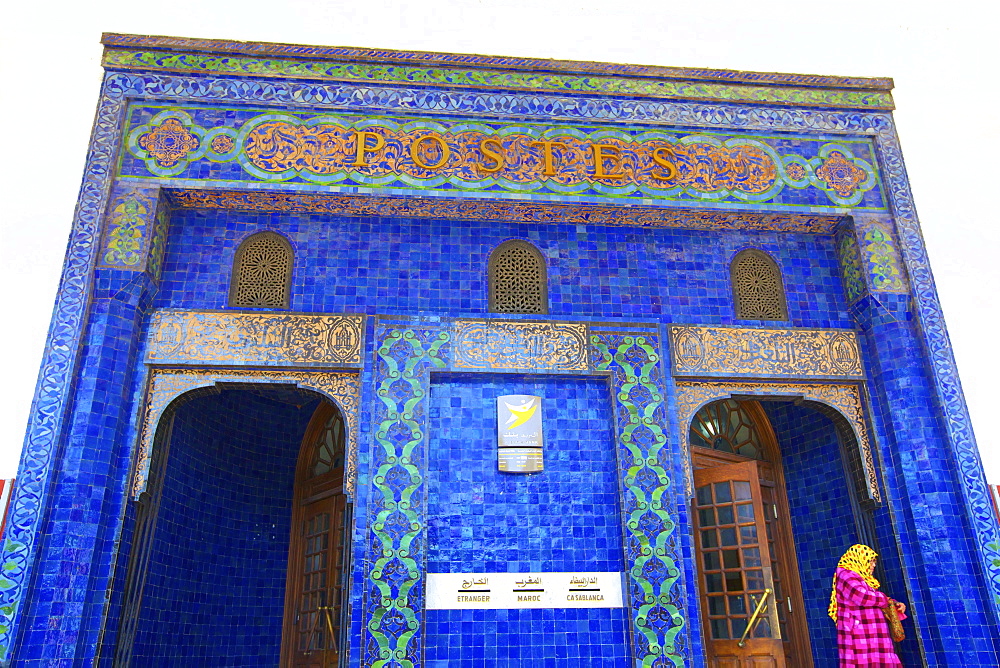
[(748, 579), (246, 493), (315, 614)]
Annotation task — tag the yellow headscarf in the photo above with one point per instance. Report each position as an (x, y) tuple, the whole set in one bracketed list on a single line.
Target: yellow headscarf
[(858, 558)]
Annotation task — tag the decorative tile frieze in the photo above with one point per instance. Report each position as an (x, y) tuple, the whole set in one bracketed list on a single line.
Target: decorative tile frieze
[(256, 339), (520, 345), (648, 163), (292, 67), (764, 353)]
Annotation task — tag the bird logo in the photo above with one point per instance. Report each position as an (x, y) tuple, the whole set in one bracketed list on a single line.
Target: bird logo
[(520, 413)]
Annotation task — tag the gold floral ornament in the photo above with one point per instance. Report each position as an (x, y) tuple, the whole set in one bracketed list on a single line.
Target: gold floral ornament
[(126, 229), (168, 143), (222, 144), (841, 174), (795, 171)]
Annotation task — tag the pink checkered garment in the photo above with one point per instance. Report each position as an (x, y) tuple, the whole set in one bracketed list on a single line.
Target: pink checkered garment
[(862, 631)]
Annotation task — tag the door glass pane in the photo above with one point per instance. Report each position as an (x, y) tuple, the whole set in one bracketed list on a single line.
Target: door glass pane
[(709, 539), (748, 534), (725, 514), (728, 537), (722, 493), (719, 629), (706, 517), (731, 558), (742, 490), (704, 495)]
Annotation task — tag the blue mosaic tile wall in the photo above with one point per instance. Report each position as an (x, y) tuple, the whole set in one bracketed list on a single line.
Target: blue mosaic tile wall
[(565, 518), (77, 537), (933, 533), (390, 265), (822, 520), (214, 593)]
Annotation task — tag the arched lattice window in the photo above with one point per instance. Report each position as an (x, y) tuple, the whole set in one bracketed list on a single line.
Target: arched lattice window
[(757, 289), (328, 446), (728, 427), (517, 279), (262, 272)]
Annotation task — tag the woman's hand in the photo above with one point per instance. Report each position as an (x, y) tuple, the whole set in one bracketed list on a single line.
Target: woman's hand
[(900, 607)]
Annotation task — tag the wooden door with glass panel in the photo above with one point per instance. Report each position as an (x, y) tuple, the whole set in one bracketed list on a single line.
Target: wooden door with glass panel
[(735, 572), (743, 537), (317, 557)]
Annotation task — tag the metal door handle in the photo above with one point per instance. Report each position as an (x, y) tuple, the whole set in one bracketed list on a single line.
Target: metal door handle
[(754, 618)]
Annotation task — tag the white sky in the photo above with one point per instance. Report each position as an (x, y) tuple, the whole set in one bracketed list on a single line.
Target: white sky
[(944, 58)]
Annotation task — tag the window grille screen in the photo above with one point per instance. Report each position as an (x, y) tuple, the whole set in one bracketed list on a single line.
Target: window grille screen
[(517, 279), (262, 272), (757, 288)]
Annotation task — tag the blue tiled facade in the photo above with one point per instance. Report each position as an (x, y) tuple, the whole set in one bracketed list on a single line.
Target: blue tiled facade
[(180, 173)]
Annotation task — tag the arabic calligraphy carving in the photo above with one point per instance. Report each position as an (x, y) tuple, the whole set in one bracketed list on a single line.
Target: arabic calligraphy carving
[(481, 344), (846, 399), (261, 339), (765, 353), (165, 385)]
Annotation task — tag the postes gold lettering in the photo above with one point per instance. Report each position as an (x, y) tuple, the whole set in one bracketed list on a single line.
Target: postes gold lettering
[(473, 599), (492, 150), (415, 151), (613, 155), (548, 160), (584, 597), (537, 598), (664, 157), (361, 139)]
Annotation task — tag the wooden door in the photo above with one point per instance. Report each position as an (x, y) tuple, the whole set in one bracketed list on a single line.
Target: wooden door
[(735, 573), (318, 553)]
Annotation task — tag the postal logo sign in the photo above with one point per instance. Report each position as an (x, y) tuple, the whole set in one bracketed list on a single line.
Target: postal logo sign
[(519, 433)]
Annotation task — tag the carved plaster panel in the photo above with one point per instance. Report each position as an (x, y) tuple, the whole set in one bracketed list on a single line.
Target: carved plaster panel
[(846, 399), (765, 353), (520, 345), (258, 339), (165, 385)]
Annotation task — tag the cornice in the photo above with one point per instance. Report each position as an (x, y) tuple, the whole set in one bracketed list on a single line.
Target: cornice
[(267, 60)]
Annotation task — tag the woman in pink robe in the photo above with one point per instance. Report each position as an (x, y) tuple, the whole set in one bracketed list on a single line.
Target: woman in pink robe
[(856, 606)]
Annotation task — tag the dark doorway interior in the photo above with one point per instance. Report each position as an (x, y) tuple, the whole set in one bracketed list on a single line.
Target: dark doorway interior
[(217, 559)]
